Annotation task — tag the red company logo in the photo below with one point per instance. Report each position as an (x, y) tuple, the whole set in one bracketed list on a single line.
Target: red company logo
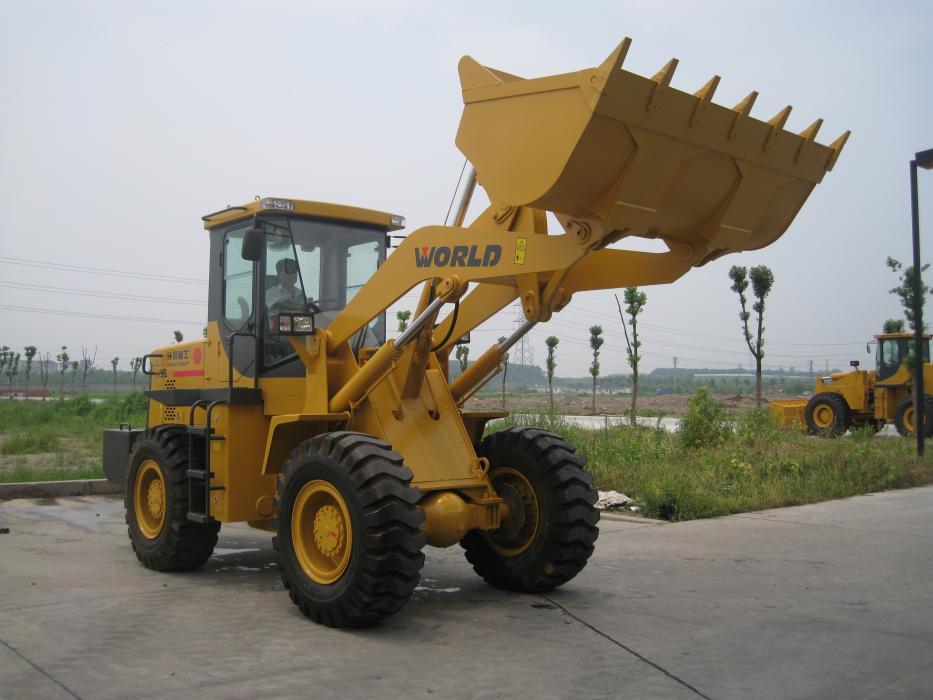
[(196, 356)]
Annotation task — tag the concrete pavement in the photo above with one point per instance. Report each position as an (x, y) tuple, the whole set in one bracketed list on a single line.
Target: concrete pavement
[(824, 601)]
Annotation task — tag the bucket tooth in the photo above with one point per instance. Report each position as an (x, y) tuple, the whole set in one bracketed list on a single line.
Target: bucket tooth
[(742, 110), (611, 69), (663, 80), (474, 75), (809, 136), (705, 95), (835, 149), (776, 123)]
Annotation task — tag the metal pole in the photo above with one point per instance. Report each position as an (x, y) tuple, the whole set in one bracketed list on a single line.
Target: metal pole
[(465, 197), (918, 314), (418, 323)]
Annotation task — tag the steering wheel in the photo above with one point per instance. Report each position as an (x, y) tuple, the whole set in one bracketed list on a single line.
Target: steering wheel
[(289, 305), (329, 304)]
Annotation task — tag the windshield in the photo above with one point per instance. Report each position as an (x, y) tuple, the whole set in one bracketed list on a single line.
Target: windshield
[(324, 262)]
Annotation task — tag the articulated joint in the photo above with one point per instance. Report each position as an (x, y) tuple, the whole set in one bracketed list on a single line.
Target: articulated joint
[(448, 518)]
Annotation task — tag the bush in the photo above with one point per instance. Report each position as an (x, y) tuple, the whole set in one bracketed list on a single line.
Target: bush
[(705, 424)]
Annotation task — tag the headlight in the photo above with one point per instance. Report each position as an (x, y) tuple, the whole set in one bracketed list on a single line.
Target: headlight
[(293, 324)]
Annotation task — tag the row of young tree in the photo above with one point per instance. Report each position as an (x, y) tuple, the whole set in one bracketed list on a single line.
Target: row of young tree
[(31, 363)]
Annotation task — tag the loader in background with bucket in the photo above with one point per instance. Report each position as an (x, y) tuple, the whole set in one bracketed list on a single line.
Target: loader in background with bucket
[(865, 398), (296, 415)]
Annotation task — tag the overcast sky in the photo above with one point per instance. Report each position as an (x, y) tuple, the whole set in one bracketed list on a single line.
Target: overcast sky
[(123, 123)]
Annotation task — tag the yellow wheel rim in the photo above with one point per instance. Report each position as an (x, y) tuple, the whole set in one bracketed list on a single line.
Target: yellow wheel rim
[(519, 528), (149, 499), (321, 531), (823, 415), (909, 419)]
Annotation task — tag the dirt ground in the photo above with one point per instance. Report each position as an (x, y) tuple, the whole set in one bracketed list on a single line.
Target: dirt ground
[(581, 404)]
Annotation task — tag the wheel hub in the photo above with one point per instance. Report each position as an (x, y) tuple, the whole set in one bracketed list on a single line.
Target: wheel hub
[(149, 499), (322, 533), (519, 528), (823, 416), (328, 530), (155, 499)]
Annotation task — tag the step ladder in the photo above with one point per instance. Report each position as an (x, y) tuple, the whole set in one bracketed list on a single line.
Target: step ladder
[(199, 464)]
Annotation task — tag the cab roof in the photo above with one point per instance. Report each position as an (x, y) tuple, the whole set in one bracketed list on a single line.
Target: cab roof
[(302, 207), (895, 336)]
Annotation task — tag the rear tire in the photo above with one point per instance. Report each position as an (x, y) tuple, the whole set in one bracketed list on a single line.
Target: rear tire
[(904, 416), (549, 534), (827, 414), (348, 529), (157, 505)]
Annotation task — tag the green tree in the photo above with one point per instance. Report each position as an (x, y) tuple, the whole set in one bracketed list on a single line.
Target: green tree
[(893, 326), (762, 280), (505, 369), (62, 359), (596, 342), (463, 354), (402, 317), (30, 352), (113, 363), (12, 369), (634, 304), (551, 342), (136, 364), (74, 374), (905, 289)]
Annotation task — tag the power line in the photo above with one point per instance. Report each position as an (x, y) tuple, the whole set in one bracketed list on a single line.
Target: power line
[(98, 270), (83, 314), (105, 295)]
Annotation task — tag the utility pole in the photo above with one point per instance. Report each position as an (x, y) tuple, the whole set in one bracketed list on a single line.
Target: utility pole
[(675, 374), (811, 369)]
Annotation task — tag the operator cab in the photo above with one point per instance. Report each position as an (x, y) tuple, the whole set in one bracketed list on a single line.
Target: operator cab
[(314, 258), (892, 349)]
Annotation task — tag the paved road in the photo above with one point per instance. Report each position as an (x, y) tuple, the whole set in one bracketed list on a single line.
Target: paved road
[(825, 601)]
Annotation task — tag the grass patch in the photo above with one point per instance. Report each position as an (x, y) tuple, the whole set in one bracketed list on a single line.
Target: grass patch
[(22, 472), (705, 470), (70, 430), (41, 440)]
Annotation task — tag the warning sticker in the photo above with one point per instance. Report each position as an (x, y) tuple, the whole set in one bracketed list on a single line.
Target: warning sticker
[(520, 245)]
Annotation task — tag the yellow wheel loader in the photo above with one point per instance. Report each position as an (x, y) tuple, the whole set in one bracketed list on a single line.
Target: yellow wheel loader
[(298, 416), (865, 398)]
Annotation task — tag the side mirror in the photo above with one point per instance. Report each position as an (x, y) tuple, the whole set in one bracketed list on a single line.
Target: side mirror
[(252, 245), (854, 363)]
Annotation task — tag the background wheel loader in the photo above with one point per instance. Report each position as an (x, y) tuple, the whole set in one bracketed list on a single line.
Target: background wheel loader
[(865, 397), (296, 415)]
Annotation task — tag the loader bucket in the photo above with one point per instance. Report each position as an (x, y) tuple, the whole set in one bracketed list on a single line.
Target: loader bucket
[(790, 412), (631, 155)]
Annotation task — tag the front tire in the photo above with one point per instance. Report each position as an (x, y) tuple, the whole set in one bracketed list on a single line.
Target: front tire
[(827, 414), (157, 505), (552, 523), (348, 529)]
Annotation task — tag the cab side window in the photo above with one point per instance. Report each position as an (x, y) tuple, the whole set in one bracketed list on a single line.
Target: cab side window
[(238, 282)]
